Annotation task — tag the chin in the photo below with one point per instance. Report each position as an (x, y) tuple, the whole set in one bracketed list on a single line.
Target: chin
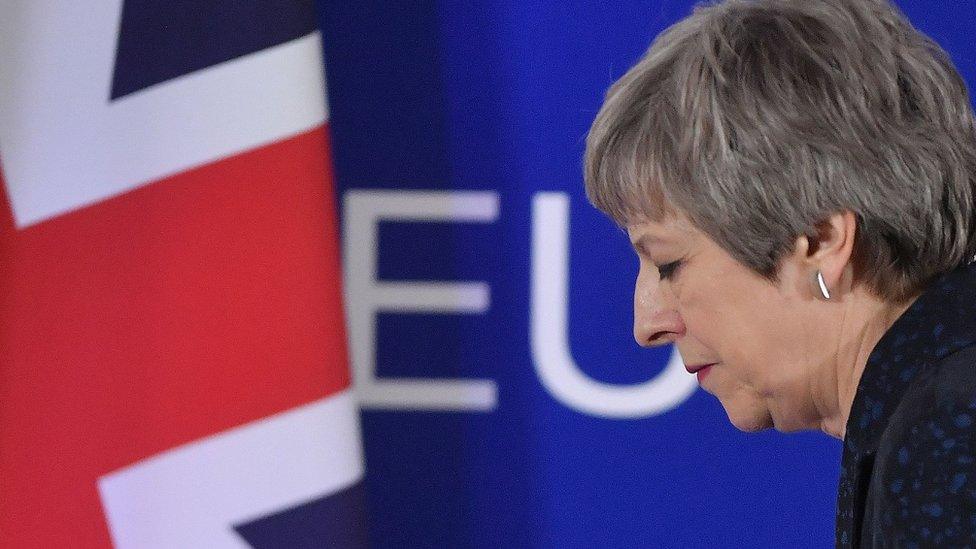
[(751, 426), (790, 427), (750, 421)]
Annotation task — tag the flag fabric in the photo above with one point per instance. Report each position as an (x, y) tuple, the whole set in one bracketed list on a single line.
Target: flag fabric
[(173, 364)]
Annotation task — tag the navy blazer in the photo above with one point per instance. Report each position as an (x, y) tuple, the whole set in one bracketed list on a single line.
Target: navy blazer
[(908, 477)]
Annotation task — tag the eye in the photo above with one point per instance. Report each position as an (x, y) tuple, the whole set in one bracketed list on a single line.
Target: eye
[(667, 270)]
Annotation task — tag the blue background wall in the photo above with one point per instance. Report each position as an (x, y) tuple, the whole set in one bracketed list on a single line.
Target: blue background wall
[(498, 96)]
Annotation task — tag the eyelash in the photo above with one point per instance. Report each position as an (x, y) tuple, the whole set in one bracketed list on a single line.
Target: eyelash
[(667, 270)]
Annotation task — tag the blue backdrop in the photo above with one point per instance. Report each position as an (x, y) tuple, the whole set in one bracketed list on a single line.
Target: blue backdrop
[(497, 96)]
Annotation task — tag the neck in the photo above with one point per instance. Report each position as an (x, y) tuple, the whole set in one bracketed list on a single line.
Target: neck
[(864, 320)]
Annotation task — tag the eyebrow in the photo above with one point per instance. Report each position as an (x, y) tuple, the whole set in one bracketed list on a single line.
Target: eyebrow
[(640, 245)]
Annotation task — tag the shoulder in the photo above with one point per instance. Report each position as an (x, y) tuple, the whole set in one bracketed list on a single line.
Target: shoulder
[(924, 482), (943, 389)]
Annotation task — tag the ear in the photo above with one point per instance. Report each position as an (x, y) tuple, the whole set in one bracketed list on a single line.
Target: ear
[(829, 250)]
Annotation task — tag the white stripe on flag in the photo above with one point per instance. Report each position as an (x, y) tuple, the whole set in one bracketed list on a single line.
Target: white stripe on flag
[(191, 496), (64, 145)]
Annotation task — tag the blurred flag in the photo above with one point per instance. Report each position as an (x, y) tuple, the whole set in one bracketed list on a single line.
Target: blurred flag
[(172, 356)]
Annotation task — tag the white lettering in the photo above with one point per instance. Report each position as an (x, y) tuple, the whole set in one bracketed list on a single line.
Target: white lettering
[(550, 340), (366, 295)]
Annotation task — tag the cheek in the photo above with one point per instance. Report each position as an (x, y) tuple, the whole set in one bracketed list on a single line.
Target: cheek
[(733, 337), (704, 309)]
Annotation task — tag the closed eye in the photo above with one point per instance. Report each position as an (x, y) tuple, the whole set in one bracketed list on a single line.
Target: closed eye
[(667, 270)]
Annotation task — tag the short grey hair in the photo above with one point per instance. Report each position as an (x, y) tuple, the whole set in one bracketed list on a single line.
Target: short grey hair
[(758, 119)]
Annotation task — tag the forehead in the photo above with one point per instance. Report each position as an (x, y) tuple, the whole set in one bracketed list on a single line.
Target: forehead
[(670, 229)]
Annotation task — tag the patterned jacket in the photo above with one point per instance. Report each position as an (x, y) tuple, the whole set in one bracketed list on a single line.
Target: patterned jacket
[(908, 476)]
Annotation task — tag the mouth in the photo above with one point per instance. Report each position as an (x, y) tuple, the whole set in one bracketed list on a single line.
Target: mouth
[(695, 368), (701, 370)]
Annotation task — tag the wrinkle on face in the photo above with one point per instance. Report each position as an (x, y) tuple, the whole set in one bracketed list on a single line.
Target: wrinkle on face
[(731, 315)]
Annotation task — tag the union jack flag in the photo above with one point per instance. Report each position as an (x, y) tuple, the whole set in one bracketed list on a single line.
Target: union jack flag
[(172, 358)]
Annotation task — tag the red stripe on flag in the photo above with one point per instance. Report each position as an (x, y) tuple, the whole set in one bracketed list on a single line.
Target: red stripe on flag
[(175, 311)]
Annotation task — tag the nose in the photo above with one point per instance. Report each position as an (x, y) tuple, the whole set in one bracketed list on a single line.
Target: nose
[(656, 317)]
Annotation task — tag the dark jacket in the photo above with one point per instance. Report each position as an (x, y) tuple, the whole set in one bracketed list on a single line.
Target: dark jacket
[(908, 476)]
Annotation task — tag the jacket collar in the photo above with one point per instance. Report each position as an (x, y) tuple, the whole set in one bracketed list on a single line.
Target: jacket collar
[(941, 321)]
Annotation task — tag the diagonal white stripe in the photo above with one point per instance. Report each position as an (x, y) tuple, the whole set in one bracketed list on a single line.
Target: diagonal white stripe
[(63, 145), (191, 496)]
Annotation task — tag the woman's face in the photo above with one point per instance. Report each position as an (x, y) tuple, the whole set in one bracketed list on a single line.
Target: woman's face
[(762, 337)]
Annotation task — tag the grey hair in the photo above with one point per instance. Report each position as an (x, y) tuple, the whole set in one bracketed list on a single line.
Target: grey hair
[(758, 119)]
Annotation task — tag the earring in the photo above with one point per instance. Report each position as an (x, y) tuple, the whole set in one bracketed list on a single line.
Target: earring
[(823, 286)]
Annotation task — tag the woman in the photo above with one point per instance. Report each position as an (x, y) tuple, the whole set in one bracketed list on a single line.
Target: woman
[(797, 179)]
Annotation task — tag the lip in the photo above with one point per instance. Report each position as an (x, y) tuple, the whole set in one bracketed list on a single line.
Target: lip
[(700, 370), (695, 368)]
